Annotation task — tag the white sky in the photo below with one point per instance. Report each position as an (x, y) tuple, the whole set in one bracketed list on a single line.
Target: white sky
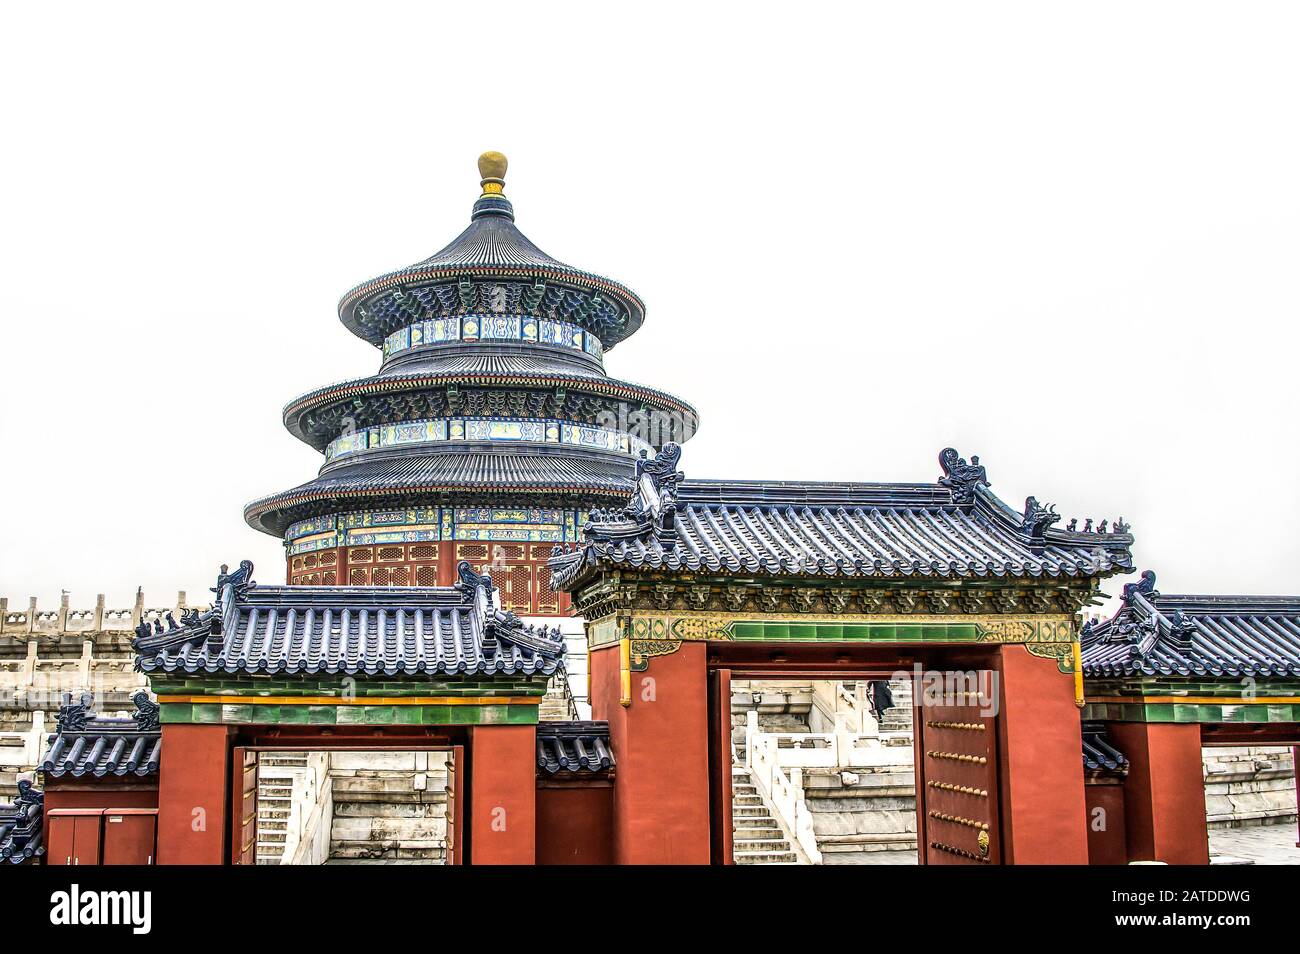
[(1061, 238)]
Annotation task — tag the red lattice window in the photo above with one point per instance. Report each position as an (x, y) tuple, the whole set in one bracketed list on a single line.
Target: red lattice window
[(516, 583), (311, 561), (507, 551), (424, 551), (358, 576), (426, 576), (379, 576), (399, 576), (296, 563), (540, 551), (329, 558), (360, 555), (330, 578), (548, 601), (391, 554)]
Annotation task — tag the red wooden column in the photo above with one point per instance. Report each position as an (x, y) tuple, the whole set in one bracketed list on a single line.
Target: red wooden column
[(1040, 762), (193, 794), (1164, 793), (661, 748), (503, 795)]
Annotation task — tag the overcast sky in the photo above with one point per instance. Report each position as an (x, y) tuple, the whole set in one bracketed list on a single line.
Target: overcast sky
[(1063, 238)]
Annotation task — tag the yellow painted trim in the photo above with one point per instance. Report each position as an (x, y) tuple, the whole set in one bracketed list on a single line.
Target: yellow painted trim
[(362, 701), (1201, 700), (1077, 653), (625, 672)]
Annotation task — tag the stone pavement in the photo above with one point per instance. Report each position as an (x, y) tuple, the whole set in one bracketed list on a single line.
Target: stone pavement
[(1257, 845)]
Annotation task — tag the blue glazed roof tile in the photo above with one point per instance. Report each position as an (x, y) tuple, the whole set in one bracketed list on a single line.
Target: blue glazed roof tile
[(1216, 636), (1100, 757), (449, 631), (22, 826), (100, 746), (849, 530), (574, 748)]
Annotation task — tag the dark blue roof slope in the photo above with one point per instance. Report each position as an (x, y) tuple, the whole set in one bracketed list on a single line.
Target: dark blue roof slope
[(1100, 757), (452, 469), (951, 529), (574, 747), (450, 630), (22, 826), (85, 744), (492, 246), (1218, 636)]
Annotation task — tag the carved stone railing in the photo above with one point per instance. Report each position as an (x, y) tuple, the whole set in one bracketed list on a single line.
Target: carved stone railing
[(66, 621), (781, 790)]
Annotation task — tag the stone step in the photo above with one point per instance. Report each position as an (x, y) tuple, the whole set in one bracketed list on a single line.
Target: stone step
[(427, 853), (750, 811), (766, 858), (778, 845)]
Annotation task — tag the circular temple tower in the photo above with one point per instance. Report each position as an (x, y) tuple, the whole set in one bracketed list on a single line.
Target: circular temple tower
[(489, 430)]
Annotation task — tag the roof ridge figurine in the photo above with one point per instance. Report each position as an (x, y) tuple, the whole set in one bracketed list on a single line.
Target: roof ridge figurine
[(960, 477)]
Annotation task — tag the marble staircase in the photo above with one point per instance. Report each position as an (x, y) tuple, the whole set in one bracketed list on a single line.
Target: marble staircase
[(756, 837)]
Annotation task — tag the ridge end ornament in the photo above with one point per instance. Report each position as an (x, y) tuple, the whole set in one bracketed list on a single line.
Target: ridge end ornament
[(960, 477)]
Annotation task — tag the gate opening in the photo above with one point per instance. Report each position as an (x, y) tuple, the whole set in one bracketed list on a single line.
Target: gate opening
[(1250, 804), (346, 806), (822, 772)]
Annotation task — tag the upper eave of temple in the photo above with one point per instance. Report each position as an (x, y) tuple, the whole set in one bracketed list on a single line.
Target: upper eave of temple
[(953, 529), (492, 247), (314, 417), (1233, 637)]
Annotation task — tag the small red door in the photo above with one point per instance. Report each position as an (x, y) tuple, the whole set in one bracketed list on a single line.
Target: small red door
[(243, 804), (130, 835), (455, 804), (74, 836)]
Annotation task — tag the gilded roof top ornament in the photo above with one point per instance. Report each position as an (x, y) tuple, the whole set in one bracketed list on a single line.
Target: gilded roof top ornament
[(492, 167)]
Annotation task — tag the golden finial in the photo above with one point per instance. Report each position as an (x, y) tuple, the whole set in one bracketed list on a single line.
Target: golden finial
[(492, 167)]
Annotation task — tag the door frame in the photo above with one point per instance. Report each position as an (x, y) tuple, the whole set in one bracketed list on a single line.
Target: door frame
[(825, 661), (240, 752)]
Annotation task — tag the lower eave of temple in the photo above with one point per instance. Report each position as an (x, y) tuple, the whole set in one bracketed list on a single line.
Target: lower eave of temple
[(442, 477)]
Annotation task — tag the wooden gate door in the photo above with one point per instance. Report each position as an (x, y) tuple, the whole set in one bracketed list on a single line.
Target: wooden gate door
[(957, 776), (720, 774), (243, 808), (455, 805)]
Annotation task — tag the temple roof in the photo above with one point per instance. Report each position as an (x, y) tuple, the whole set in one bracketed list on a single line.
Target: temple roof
[(560, 470), (300, 414), (492, 246), (1220, 636), (86, 744), (22, 826), (574, 747), (955, 528), (451, 630)]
